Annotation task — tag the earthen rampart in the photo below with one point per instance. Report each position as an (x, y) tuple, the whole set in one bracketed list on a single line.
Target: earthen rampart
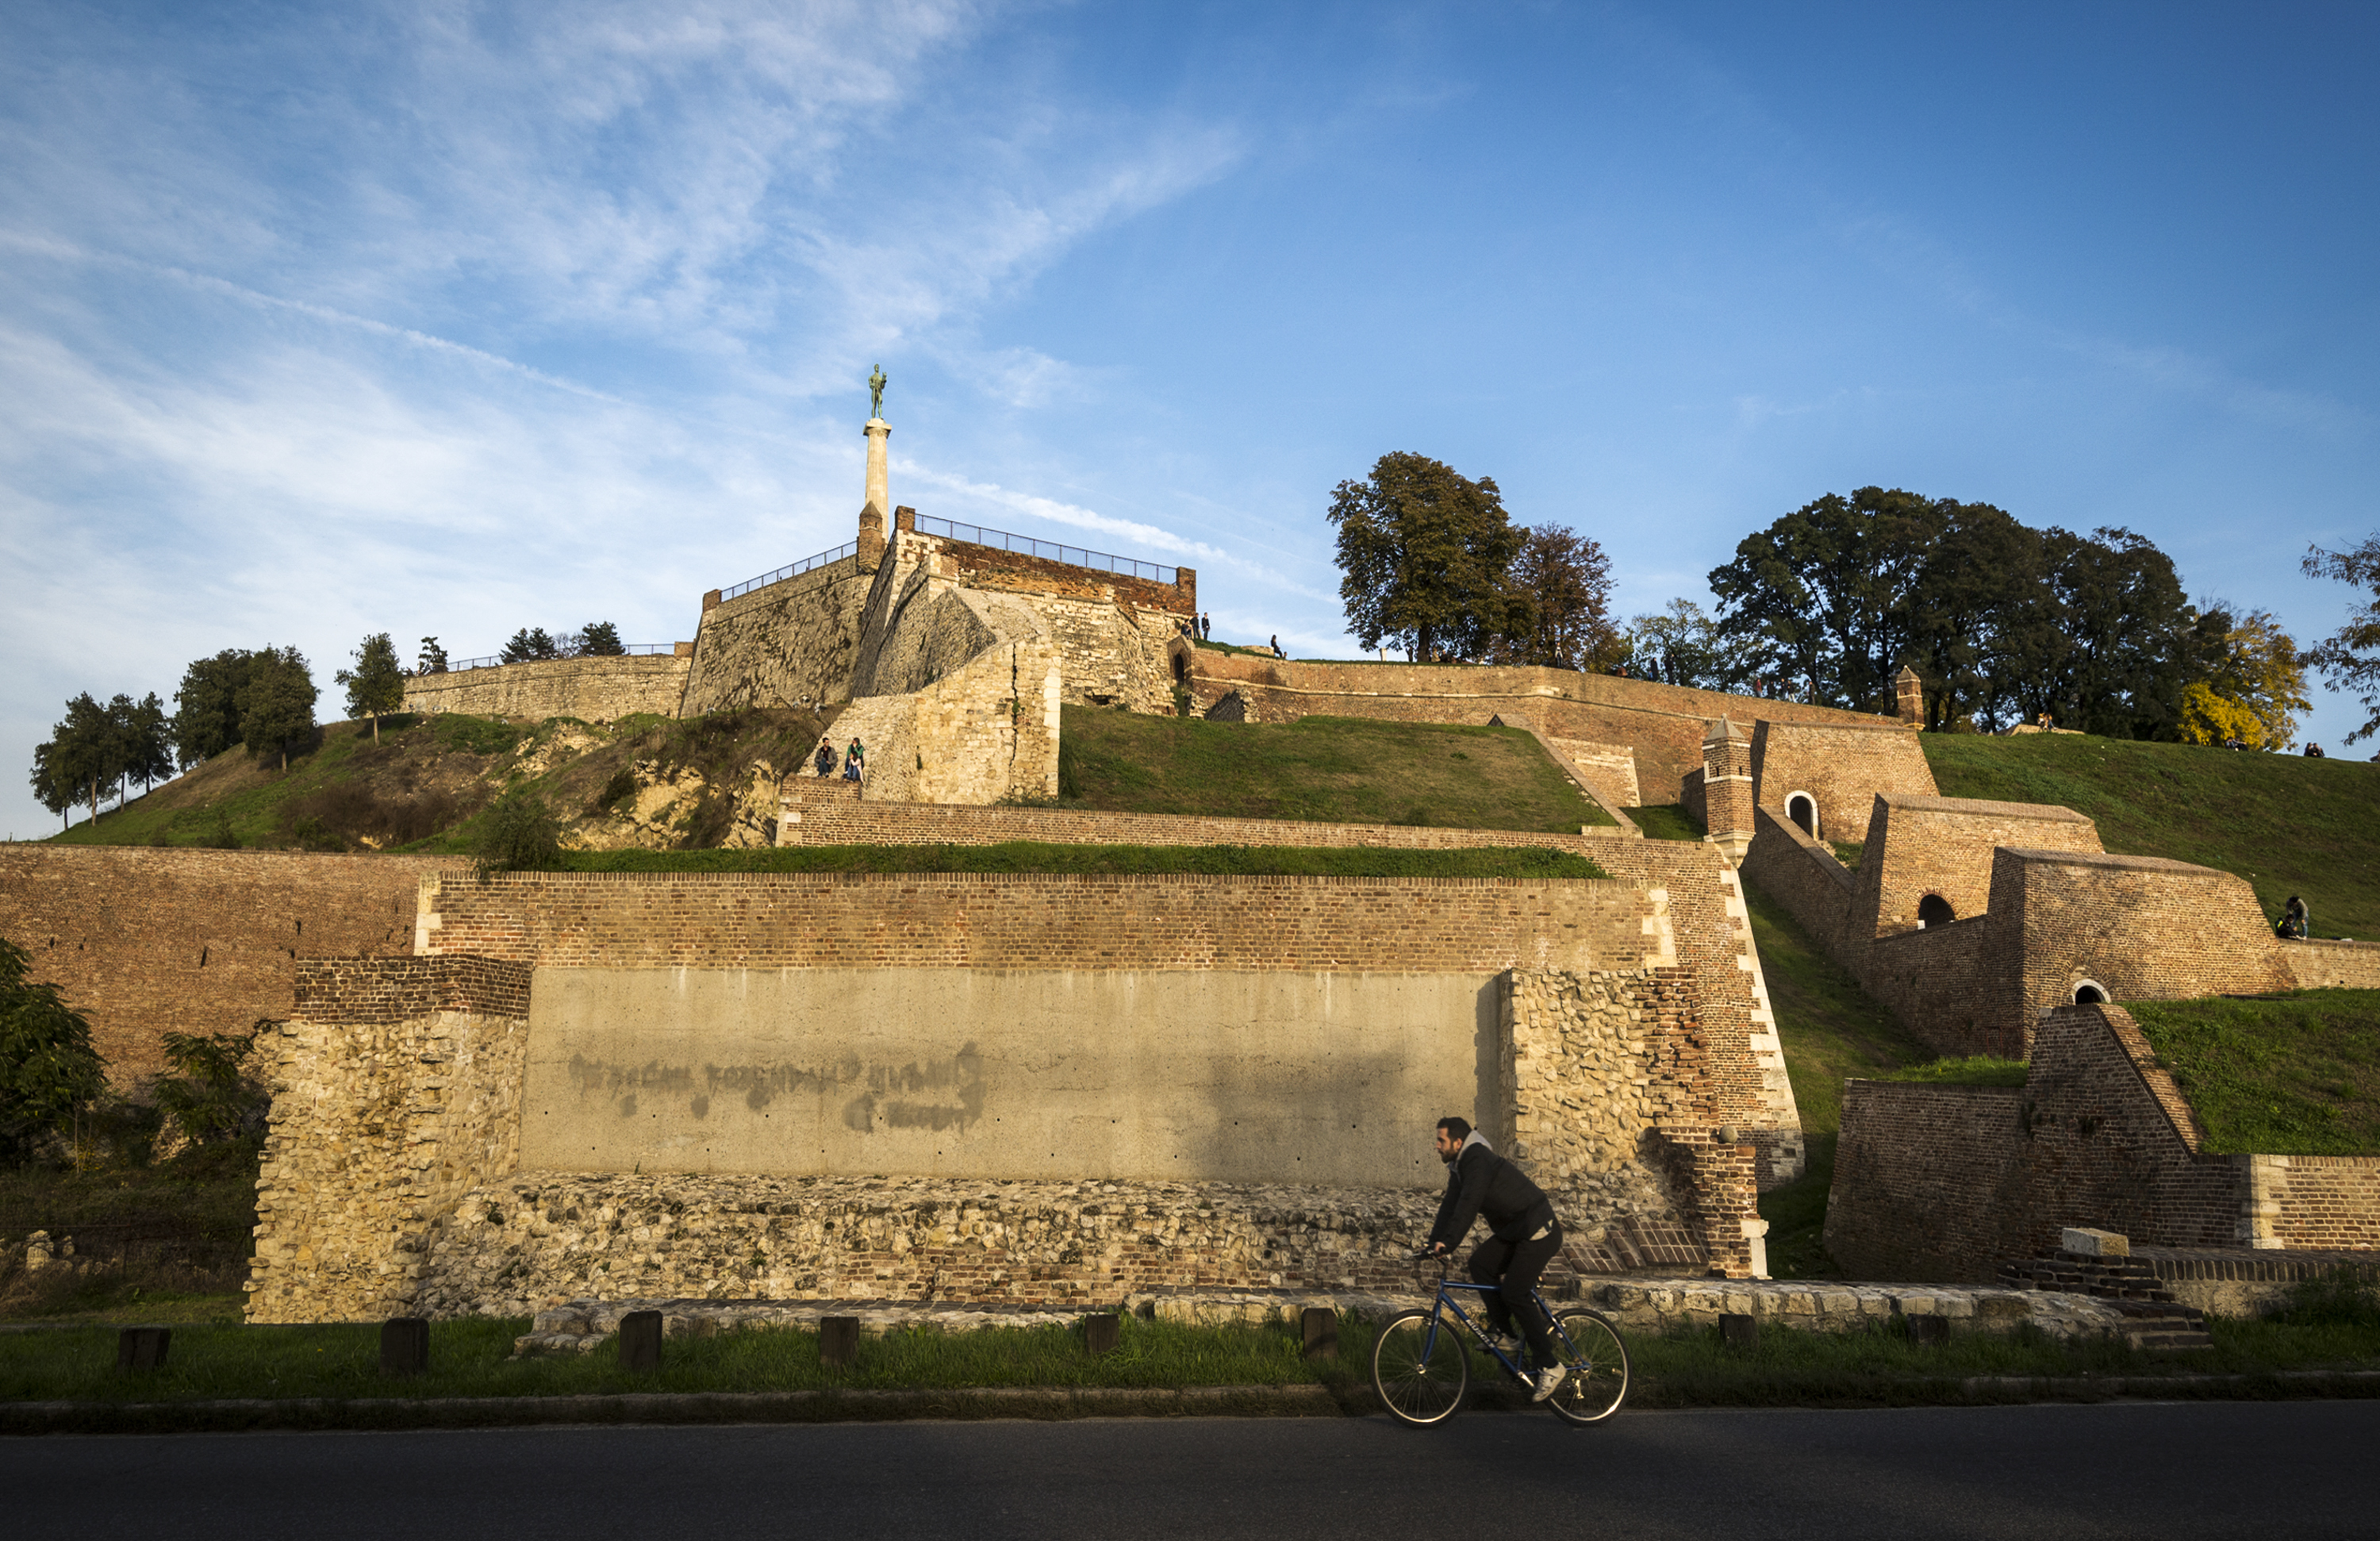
[(146, 941), (593, 689), (1948, 1181)]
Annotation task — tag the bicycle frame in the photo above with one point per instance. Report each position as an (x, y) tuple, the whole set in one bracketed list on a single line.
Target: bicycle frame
[(1446, 1302)]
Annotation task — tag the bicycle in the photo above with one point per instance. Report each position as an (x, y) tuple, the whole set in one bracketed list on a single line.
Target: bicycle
[(1421, 1370)]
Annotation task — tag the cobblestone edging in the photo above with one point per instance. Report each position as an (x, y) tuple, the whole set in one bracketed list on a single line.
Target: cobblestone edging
[(1820, 1306)]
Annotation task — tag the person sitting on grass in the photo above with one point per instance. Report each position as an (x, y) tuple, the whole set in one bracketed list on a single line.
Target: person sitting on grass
[(1523, 1237)]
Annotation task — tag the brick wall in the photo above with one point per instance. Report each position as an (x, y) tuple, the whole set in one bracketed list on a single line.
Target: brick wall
[(1946, 1182), (594, 689), (1951, 986), (395, 1090), (1724, 792), (1841, 764), (1662, 723), (1917, 846), (145, 940), (789, 644), (2143, 928), (2331, 965), (1804, 877)]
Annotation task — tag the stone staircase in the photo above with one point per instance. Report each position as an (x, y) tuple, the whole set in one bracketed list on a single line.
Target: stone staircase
[(2100, 1264)]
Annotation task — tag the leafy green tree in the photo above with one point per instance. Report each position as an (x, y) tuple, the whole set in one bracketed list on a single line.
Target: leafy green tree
[(277, 708), (150, 733), (48, 1069), (2350, 657), (1982, 618), (2133, 643), (2256, 688), (376, 685), (528, 646), (212, 1097), (81, 756), (432, 658), (519, 833), (1564, 580), (1680, 646), (209, 705), (598, 639), (1424, 555)]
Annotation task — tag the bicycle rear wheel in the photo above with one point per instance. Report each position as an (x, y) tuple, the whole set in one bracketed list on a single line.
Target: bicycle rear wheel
[(1591, 1350), (1419, 1369)]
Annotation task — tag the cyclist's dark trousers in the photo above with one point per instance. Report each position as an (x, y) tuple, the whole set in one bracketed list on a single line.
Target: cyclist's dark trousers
[(1517, 1265)]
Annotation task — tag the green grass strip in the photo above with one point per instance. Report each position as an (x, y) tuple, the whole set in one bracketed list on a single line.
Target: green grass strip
[(2295, 1075)]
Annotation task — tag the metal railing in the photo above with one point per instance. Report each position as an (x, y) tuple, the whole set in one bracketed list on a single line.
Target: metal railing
[(633, 649), (793, 570), (1074, 556)]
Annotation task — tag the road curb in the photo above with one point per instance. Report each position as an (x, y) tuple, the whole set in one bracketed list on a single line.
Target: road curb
[(1045, 1402)]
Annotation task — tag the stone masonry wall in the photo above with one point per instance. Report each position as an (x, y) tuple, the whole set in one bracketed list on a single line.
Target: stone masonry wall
[(1946, 1182), (2332, 965), (594, 689), (789, 644), (1843, 765), (986, 732), (145, 940), (395, 1090), (1804, 876), (2143, 928), (1918, 846), (1663, 724), (1949, 986)]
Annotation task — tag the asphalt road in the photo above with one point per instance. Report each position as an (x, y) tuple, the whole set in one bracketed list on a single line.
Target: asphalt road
[(2031, 1473)]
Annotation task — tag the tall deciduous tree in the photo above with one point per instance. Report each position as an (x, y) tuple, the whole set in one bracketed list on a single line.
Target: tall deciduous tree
[(2254, 691), (1681, 646), (1425, 553), (2350, 657), (277, 709), (1564, 580), (2133, 643), (208, 706), (376, 685)]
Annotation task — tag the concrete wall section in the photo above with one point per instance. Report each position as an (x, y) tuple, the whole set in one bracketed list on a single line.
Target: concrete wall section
[(145, 940), (594, 689), (1223, 1075), (789, 644)]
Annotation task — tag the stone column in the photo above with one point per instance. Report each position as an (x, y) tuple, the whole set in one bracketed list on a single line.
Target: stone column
[(1727, 789), (871, 513)]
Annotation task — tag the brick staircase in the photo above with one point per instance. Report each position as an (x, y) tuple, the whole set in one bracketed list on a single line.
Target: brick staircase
[(2155, 1319)]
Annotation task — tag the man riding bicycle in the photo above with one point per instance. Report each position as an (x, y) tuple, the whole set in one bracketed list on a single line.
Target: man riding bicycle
[(1523, 1236)]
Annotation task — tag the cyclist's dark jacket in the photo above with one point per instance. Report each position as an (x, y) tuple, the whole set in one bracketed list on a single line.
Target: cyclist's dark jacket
[(1482, 1183)]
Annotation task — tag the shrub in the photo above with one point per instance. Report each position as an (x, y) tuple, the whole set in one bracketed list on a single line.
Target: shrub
[(48, 1070), (474, 735), (2337, 1299), (211, 1095), (519, 833), (315, 835)]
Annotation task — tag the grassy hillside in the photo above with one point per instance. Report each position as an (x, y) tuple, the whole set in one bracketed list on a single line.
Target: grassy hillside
[(2286, 823), (2295, 1075), (1334, 770)]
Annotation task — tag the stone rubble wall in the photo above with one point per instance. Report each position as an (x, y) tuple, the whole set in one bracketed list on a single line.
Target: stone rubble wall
[(791, 644), (146, 941), (395, 1090), (1818, 1307), (593, 689)]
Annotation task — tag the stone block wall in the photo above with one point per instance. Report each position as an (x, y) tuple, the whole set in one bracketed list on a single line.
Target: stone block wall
[(790, 644), (1943, 846), (2331, 965), (1947, 1182), (1841, 764), (1804, 876), (396, 1091), (146, 941), (594, 689), (2143, 928), (986, 732)]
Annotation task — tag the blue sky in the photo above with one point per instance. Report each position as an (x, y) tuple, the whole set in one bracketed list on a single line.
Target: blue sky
[(450, 318)]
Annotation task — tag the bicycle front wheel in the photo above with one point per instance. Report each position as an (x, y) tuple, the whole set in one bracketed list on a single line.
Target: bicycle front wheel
[(1591, 1350), (1419, 1369)]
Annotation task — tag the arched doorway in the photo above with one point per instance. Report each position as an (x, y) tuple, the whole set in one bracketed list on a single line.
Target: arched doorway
[(1802, 809), (1935, 910), (2089, 993)]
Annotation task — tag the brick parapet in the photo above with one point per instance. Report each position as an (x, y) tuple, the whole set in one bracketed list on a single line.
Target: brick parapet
[(361, 990), (146, 941), (2331, 965)]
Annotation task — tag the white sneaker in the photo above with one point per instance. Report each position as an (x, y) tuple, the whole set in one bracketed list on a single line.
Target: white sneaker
[(1549, 1380)]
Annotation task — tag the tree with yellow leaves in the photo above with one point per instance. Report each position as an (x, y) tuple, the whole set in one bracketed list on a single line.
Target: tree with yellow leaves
[(2254, 692)]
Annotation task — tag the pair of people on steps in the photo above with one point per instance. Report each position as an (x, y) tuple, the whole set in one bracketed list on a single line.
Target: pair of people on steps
[(1523, 1237)]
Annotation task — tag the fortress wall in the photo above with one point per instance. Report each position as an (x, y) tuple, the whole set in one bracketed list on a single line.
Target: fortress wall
[(1842, 765), (833, 813), (1943, 845), (1804, 877), (594, 689), (2314, 1203), (1948, 985), (2331, 965), (1946, 1183), (146, 941), (986, 732), (997, 570), (785, 645), (1664, 723), (2143, 928), (397, 1087)]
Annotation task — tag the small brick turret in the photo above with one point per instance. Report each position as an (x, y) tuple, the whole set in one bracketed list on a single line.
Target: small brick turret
[(1908, 696), (1726, 788)]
